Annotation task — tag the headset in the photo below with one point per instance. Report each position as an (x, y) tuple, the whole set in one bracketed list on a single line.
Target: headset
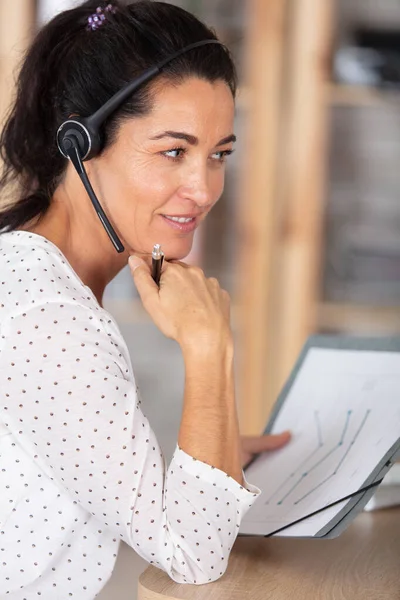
[(81, 138)]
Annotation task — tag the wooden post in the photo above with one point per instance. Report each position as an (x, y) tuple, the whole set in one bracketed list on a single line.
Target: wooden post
[(17, 20), (300, 247), (16, 25), (257, 209)]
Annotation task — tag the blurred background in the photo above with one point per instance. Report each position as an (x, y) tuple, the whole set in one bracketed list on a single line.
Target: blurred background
[(306, 237)]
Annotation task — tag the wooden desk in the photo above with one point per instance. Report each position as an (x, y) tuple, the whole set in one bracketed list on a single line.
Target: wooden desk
[(362, 564)]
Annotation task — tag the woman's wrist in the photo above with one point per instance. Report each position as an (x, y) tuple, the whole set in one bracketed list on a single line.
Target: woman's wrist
[(208, 347)]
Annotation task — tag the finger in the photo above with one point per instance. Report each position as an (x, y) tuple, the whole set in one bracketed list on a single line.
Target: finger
[(214, 282), (263, 443), (145, 284), (246, 458), (179, 262)]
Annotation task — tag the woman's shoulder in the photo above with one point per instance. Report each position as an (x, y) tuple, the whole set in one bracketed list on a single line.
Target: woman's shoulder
[(41, 295), (33, 271)]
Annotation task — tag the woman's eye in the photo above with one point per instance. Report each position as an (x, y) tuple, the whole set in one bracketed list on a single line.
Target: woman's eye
[(175, 153), (221, 155), (178, 153)]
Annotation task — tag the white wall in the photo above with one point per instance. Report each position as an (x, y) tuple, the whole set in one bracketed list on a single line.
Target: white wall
[(47, 9)]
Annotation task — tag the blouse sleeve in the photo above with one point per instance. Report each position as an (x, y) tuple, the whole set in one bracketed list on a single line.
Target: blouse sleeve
[(70, 397)]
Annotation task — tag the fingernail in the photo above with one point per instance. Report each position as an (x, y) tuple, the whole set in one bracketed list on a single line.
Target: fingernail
[(134, 262)]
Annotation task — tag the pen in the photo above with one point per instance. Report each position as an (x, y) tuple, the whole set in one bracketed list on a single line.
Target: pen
[(157, 257)]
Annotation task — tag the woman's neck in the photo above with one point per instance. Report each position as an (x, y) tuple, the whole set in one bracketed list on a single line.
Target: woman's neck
[(84, 244)]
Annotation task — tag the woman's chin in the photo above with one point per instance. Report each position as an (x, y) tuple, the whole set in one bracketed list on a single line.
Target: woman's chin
[(176, 251), (175, 256), (173, 249)]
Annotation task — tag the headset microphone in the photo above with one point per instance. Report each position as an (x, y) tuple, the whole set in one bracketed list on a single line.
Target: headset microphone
[(71, 148), (80, 138)]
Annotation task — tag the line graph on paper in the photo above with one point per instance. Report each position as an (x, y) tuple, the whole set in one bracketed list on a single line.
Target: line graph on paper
[(324, 454), (343, 410)]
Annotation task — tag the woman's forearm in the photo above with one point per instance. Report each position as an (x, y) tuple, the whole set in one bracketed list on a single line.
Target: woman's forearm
[(209, 429)]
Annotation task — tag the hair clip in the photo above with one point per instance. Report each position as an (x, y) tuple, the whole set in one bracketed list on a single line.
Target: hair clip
[(97, 19)]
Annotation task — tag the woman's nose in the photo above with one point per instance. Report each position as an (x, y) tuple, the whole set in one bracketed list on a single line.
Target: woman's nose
[(198, 189)]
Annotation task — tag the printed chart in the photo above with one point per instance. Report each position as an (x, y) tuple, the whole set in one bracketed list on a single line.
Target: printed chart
[(318, 457), (344, 414)]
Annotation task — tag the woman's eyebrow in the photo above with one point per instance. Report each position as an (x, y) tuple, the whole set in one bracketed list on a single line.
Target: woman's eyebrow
[(227, 140), (191, 139)]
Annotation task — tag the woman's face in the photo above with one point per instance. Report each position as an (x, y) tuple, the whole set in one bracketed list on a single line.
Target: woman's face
[(170, 163)]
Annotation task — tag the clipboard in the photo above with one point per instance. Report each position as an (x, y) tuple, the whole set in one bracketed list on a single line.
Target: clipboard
[(356, 504)]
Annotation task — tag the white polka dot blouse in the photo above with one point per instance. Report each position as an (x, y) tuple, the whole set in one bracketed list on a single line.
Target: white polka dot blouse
[(80, 467)]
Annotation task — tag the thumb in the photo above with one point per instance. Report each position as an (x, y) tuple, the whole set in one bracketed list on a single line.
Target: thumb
[(145, 284), (135, 262), (257, 444)]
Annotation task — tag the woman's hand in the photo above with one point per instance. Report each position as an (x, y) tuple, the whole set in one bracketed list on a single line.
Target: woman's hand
[(188, 307), (252, 445)]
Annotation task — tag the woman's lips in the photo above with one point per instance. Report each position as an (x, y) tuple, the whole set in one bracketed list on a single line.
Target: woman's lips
[(185, 227)]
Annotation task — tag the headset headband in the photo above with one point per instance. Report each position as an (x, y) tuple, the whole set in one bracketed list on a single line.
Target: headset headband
[(87, 129)]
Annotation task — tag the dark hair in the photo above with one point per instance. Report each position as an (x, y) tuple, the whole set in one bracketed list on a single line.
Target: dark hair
[(72, 70)]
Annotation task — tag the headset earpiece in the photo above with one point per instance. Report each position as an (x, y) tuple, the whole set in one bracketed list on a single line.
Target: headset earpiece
[(88, 138)]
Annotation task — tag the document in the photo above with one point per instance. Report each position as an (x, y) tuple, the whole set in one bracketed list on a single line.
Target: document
[(343, 409)]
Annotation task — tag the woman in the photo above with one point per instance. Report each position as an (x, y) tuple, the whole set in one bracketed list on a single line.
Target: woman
[(82, 467)]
